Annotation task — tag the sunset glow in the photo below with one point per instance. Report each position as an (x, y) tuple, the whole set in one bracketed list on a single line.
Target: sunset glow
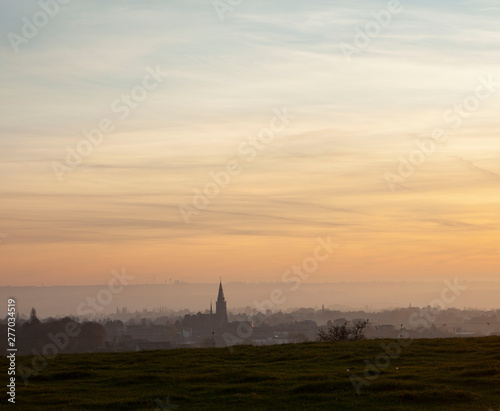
[(392, 153)]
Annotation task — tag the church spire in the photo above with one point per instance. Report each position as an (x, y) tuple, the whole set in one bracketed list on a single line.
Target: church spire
[(220, 297), (221, 307)]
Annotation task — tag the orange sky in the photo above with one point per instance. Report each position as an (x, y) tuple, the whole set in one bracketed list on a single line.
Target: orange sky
[(322, 171)]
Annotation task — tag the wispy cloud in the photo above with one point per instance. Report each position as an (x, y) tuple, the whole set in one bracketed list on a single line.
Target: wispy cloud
[(322, 174)]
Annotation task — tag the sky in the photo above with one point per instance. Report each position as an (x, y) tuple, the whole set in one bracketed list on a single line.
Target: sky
[(384, 140)]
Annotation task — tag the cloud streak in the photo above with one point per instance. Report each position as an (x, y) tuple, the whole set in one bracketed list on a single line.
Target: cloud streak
[(322, 175)]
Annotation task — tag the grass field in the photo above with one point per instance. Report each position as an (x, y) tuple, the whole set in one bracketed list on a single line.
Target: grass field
[(438, 374)]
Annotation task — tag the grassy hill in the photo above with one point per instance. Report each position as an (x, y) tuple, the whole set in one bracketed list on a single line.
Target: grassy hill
[(438, 374)]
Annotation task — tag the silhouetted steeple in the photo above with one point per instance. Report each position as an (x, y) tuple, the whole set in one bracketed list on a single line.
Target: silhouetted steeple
[(221, 307), (220, 297)]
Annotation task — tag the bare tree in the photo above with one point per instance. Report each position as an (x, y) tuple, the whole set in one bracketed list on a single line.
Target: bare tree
[(345, 332), (358, 329)]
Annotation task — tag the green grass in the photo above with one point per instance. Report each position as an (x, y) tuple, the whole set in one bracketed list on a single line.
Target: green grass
[(438, 374)]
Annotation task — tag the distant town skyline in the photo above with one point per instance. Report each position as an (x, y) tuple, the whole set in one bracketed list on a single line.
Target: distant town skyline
[(174, 142)]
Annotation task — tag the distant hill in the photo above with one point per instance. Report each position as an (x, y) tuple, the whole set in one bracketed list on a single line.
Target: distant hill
[(64, 300), (437, 374)]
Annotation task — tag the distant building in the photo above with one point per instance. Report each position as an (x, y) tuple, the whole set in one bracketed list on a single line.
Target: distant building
[(208, 322)]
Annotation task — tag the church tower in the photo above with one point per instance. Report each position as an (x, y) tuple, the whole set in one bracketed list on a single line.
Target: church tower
[(220, 307)]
